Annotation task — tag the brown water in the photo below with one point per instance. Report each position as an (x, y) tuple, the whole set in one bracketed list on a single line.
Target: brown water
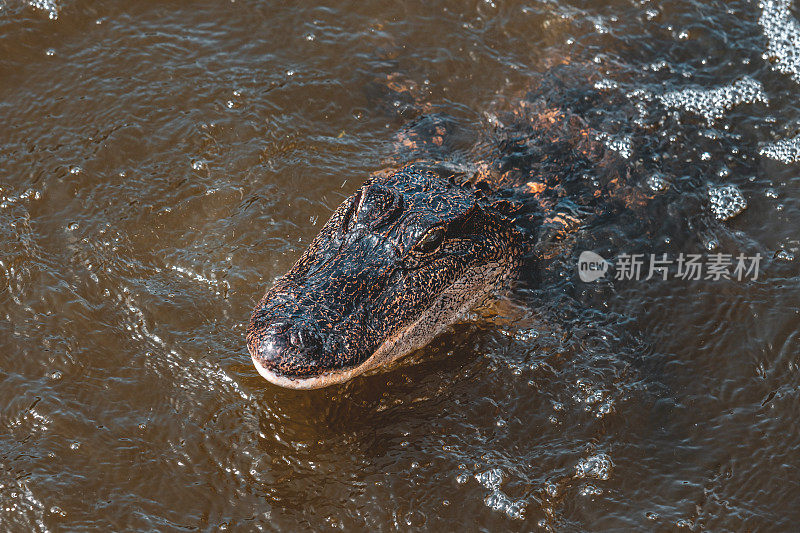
[(162, 162)]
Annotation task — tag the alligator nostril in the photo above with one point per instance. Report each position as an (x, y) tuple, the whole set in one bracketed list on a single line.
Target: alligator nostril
[(302, 338), (296, 339), (287, 347)]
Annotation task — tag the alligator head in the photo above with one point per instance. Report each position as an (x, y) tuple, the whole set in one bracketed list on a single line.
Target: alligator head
[(401, 259)]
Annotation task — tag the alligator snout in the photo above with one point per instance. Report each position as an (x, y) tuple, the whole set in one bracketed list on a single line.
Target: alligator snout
[(289, 347), (297, 340), (401, 259)]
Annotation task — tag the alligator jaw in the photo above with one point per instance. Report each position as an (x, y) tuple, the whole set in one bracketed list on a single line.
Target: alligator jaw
[(405, 341), (316, 382)]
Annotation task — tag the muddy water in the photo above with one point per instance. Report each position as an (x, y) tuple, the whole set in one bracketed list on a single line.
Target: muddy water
[(162, 163)]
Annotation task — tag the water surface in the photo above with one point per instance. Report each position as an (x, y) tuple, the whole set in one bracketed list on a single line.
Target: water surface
[(161, 163)]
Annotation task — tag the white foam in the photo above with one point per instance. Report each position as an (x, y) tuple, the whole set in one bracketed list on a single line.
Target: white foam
[(497, 499), (597, 466), (49, 6), (491, 479), (786, 150), (783, 36), (727, 201), (622, 144), (714, 103)]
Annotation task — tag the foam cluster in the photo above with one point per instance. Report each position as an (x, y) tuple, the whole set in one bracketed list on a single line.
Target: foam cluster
[(622, 144), (597, 466), (726, 201), (497, 500), (48, 6), (786, 150), (783, 36), (714, 103)]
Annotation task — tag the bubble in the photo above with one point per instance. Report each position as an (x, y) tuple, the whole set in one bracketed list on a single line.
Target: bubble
[(590, 490), (657, 183), (783, 36), (57, 510), (500, 502), (491, 479), (786, 150), (596, 466), (622, 144), (726, 201), (606, 84), (713, 103), (48, 6), (604, 409)]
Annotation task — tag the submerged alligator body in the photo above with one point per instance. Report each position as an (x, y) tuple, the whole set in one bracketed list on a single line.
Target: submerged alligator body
[(414, 249)]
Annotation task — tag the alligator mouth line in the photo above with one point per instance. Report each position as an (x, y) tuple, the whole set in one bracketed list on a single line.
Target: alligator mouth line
[(332, 377), (317, 382), (402, 343)]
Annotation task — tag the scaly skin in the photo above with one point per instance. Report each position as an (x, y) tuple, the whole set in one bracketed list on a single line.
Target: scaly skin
[(414, 249)]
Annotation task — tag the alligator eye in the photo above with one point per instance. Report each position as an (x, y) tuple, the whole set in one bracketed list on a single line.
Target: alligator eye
[(431, 240), (350, 213)]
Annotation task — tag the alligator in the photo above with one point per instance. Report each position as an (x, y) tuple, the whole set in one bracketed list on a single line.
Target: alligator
[(414, 249)]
